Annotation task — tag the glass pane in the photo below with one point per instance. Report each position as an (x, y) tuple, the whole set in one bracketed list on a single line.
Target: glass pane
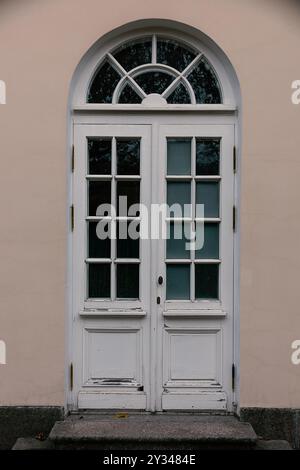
[(207, 281), (129, 96), (174, 54), (128, 245), (103, 84), (130, 190), (208, 157), (99, 247), (178, 238), (154, 82), (208, 194), (178, 282), (179, 193), (134, 53), (179, 156), (99, 280), (205, 84), (210, 249), (99, 193), (99, 157), (128, 157), (179, 96), (128, 281)]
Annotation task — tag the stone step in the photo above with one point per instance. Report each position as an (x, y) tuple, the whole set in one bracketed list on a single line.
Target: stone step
[(165, 431)]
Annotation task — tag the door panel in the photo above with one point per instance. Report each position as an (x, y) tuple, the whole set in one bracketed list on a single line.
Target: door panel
[(195, 315), (111, 292)]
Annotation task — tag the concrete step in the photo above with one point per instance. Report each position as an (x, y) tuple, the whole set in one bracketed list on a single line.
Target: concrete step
[(165, 431)]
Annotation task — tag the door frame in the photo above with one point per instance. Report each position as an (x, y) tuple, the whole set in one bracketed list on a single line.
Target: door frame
[(221, 117)]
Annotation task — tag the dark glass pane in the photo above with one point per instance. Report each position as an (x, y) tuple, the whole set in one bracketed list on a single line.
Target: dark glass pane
[(174, 54), (134, 53), (128, 281), (178, 238), (179, 96), (154, 82), (179, 193), (128, 247), (128, 157), (208, 156), (99, 280), (207, 193), (205, 84), (98, 246), (178, 282), (99, 156), (179, 157), (103, 84), (130, 189), (99, 193), (207, 281), (129, 96), (210, 239)]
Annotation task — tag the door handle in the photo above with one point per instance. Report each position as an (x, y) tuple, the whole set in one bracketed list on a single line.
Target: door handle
[(160, 280)]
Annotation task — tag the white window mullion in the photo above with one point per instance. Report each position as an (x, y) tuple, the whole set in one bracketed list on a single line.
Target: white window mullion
[(193, 215), (113, 222), (154, 49)]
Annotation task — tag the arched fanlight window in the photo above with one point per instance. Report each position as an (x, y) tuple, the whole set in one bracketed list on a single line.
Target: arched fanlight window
[(160, 66)]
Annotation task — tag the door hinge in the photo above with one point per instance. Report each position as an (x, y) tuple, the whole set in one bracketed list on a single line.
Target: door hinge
[(234, 218), (71, 376), (234, 159), (72, 217), (73, 159), (233, 377)]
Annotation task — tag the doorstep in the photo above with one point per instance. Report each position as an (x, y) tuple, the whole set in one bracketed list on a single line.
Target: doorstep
[(118, 431)]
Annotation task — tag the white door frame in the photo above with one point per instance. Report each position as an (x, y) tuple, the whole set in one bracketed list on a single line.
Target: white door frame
[(172, 118)]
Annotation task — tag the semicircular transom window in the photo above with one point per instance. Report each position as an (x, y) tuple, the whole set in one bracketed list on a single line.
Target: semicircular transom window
[(164, 68)]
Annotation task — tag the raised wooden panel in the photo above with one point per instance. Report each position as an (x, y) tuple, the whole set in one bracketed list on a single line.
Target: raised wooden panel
[(192, 357), (112, 357)]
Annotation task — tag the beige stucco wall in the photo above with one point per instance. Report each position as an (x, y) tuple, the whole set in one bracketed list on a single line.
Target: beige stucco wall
[(41, 42)]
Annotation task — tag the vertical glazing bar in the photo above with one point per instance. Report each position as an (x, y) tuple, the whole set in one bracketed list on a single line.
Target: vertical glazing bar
[(193, 215), (113, 242), (154, 49)]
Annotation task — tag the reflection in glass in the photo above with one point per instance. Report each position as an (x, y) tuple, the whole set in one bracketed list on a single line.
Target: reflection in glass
[(208, 194), (128, 156), (208, 156), (171, 52), (103, 84), (99, 156), (98, 247), (205, 84), (179, 157), (207, 281), (178, 282), (154, 82), (129, 96), (179, 193), (128, 281), (127, 239), (99, 281), (177, 241), (130, 189), (134, 53), (210, 249), (99, 193), (179, 96)]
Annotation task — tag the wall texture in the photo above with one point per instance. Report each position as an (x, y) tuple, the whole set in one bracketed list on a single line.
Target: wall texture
[(41, 42)]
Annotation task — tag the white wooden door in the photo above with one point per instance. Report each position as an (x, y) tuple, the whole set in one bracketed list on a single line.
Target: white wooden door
[(153, 320), (195, 283)]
